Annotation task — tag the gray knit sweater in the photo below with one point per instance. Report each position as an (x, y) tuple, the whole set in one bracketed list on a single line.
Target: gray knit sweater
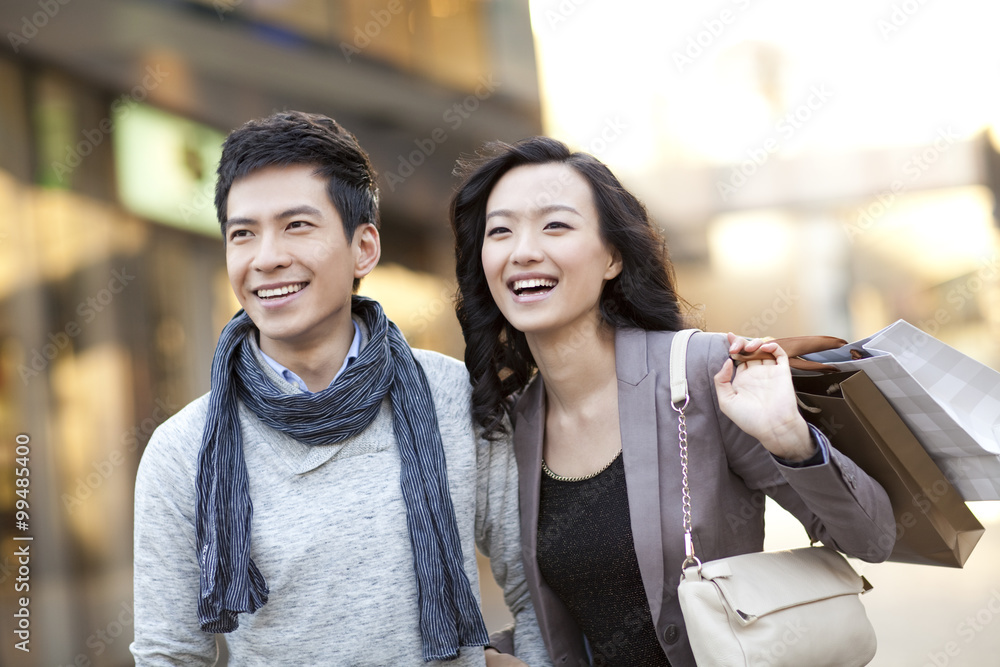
[(329, 535)]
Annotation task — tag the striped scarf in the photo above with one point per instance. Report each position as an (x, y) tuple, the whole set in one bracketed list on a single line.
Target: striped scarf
[(230, 581)]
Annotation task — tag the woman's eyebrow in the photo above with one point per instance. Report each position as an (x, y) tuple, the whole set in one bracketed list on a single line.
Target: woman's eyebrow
[(542, 210)]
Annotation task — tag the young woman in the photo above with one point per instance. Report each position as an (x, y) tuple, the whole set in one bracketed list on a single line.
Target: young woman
[(568, 307)]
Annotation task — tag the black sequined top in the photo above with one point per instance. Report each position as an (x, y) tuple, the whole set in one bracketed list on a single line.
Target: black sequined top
[(587, 557)]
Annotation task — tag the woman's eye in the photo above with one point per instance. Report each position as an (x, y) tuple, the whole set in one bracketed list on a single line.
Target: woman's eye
[(556, 225), (497, 230)]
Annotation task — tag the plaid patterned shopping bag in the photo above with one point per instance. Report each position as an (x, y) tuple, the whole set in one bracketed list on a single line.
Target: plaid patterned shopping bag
[(950, 401)]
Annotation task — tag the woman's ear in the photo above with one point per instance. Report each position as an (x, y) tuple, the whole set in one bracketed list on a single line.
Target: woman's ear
[(614, 265), (367, 249)]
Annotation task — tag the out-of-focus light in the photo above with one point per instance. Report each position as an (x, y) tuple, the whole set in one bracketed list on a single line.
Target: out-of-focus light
[(759, 242), (166, 168), (419, 303), (713, 83), (937, 234)]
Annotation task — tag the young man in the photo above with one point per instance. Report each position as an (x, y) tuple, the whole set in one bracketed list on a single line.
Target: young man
[(320, 505)]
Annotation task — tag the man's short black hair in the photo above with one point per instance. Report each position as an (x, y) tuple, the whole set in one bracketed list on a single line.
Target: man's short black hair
[(296, 138)]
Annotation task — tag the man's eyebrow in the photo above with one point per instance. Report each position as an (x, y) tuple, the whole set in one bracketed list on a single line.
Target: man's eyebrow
[(305, 209), (542, 210), (246, 222)]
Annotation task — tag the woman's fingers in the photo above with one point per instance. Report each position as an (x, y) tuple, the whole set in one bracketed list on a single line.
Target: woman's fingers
[(762, 350), (724, 382), (776, 351)]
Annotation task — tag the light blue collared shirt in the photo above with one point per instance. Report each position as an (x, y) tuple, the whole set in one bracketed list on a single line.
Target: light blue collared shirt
[(292, 378)]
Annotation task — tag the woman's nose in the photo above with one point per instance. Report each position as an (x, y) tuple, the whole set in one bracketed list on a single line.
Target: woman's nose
[(526, 249)]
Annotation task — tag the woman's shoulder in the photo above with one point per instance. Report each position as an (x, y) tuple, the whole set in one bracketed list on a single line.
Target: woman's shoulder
[(707, 345)]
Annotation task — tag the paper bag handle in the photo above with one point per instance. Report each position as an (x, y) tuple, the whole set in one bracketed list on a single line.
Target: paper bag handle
[(794, 347)]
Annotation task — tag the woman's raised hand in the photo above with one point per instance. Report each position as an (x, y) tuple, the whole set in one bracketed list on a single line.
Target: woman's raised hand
[(760, 399)]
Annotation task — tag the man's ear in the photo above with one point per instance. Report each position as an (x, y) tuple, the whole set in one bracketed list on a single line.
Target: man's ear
[(367, 249)]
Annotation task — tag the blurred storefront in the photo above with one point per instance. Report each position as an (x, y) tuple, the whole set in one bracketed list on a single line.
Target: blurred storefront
[(112, 279)]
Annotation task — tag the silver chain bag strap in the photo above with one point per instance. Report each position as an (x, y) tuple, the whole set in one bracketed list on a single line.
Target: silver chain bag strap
[(795, 608)]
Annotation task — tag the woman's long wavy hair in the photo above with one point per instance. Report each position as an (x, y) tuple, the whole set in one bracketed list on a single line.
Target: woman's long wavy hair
[(642, 296)]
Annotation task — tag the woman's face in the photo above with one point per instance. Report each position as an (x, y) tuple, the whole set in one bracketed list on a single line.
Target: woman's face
[(543, 255)]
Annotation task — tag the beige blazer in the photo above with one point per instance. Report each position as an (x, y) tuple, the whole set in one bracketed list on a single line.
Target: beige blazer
[(729, 474)]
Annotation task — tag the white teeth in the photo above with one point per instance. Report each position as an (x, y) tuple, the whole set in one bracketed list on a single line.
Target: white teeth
[(519, 285), (280, 291)]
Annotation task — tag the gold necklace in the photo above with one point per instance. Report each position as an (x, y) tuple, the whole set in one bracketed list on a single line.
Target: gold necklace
[(560, 478)]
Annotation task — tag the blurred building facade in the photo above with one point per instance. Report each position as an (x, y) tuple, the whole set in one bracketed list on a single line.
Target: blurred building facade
[(112, 277)]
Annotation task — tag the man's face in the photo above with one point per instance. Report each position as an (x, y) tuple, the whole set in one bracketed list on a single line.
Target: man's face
[(289, 262)]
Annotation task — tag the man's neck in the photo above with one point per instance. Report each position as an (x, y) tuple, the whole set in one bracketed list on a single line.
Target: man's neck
[(316, 365)]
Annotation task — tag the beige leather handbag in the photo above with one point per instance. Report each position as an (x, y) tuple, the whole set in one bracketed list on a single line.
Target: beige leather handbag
[(799, 607)]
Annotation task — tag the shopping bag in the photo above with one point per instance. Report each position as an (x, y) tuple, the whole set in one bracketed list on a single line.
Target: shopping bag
[(933, 524), (950, 401)]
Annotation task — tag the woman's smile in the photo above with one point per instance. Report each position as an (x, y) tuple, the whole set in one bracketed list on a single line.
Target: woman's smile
[(543, 255)]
